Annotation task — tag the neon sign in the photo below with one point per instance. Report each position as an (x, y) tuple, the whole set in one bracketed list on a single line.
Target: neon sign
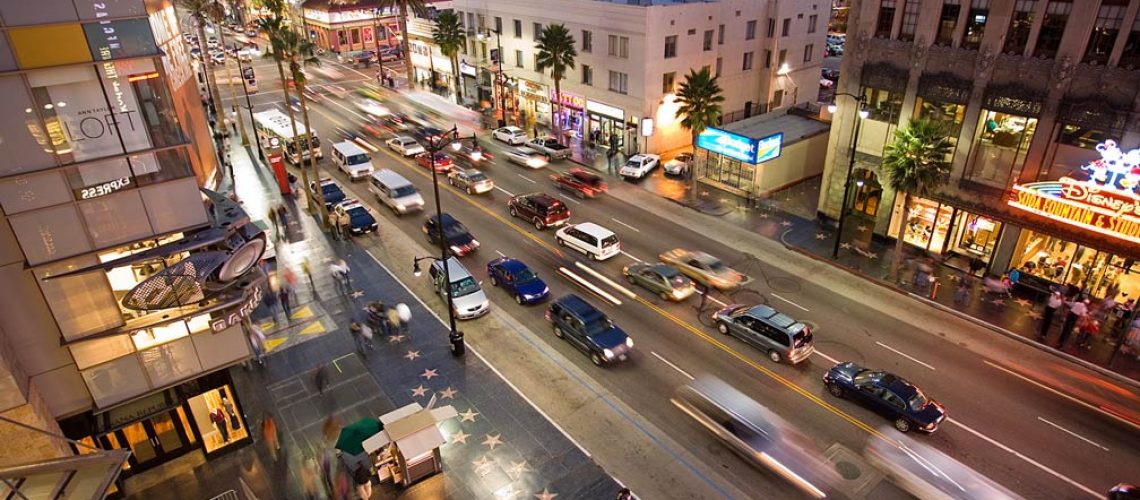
[(1085, 204), (739, 147)]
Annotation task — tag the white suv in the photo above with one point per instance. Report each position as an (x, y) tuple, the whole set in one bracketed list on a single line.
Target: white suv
[(597, 242), (639, 166), (352, 160)]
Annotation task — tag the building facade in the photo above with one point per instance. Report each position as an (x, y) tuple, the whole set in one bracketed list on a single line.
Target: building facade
[(106, 146), (350, 26), (632, 56), (1040, 101)]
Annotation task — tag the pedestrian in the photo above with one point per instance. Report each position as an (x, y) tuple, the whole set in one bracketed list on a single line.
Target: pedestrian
[(330, 428), (334, 225), (1087, 326), (1078, 309), (1014, 276), (310, 473), (270, 302), (363, 479), (962, 294), (257, 342), (283, 219), (339, 271), (273, 220), (345, 224), (393, 321), (624, 494), (405, 315), (321, 378), (1054, 303), (269, 433), (345, 274), (357, 331), (283, 296), (308, 274)]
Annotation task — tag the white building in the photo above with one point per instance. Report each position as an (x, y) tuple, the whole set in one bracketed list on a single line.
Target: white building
[(633, 55)]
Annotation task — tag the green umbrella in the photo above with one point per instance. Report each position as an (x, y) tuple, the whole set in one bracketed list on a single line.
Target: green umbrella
[(353, 435)]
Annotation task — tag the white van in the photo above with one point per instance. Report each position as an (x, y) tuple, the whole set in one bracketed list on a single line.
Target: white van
[(352, 160), (394, 190), (597, 242), (467, 295)]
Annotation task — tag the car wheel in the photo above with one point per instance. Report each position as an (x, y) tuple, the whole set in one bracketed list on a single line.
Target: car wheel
[(773, 355), (630, 279), (514, 213), (538, 224), (664, 296), (835, 390), (561, 242), (558, 331), (470, 191), (592, 256), (722, 327), (597, 359), (518, 299), (494, 282), (902, 424)]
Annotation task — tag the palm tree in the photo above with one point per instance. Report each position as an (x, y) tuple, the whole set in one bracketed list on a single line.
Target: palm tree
[(450, 36), (298, 52), (699, 98), (556, 51), (203, 11), (915, 163), (403, 6)]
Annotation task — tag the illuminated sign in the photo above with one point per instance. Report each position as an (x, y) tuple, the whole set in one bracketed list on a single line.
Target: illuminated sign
[(569, 100), (739, 147), (235, 316), (605, 110), (1086, 204)]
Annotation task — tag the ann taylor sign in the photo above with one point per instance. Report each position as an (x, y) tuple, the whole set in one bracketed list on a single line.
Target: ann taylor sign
[(238, 313)]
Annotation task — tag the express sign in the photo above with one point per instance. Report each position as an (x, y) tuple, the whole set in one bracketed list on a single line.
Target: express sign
[(739, 147), (1088, 205)]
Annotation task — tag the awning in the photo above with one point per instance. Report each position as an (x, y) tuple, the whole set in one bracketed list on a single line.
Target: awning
[(352, 435)]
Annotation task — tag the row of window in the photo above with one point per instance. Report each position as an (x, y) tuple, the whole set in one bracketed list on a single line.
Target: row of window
[(749, 34)]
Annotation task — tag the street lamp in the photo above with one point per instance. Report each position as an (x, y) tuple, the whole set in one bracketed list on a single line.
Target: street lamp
[(858, 118), (249, 106), (434, 145), (502, 82)]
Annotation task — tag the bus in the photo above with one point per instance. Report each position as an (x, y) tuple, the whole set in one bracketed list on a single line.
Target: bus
[(275, 131)]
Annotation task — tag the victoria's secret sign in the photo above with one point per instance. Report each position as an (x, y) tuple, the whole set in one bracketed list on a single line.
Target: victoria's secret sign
[(1106, 210)]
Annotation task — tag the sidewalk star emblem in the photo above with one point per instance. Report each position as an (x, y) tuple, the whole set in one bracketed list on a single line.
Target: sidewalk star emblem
[(395, 338), (420, 391), (493, 441), (412, 355), (545, 495), (468, 416), (482, 462), (821, 236), (428, 374), (448, 393), (460, 437)]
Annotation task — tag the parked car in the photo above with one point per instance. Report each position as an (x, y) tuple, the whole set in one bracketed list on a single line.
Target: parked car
[(540, 209), (510, 135), (885, 393), (470, 180), (824, 83), (638, 166), (679, 165), (443, 162), (360, 218), (550, 147), (830, 74), (704, 268), (331, 190), (513, 276), (580, 182), (775, 333), (458, 237), (389, 54), (662, 279), (597, 242), (527, 157), (467, 297), (405, 146), (588, 329)]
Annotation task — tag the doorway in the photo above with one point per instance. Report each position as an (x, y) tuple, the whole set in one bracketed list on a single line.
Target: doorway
[(152, 440)]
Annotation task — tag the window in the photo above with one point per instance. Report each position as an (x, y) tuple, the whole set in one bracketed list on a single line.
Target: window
[(948, 113), (783, 58), (518, 28), (498, 25), (883, 106), (708, 42), (670, 46), (812, 21), (999, 151), (1130, 59), (518, 59), (1052, 28), (619, 82), (587, 41), (619, 46), (720, 35), (787, 27), (976, 24), (537, 30), (886, 19), (1108, 20), (536, 61), (808, 49), (667, 81), (719, 63), (1017, 38), (747, 61), (470, 20), (587, 75), (1082, 136), (778, 98), (909, 20), (771, 28), (767, 58), (947, 21), (482, 22), (750, 30)]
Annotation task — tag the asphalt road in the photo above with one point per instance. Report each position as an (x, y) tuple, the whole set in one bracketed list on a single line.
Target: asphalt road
[(1027, 437)]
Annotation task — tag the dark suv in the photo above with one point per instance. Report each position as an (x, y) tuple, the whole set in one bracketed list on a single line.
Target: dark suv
[(459, 239), (588, 329), (540, 209)]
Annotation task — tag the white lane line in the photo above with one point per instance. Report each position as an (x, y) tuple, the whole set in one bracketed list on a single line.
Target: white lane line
[(569, 199), (671, 365), (500, 253), (528, 179), (1071, 433), (583, 282), (627, 254), (790, 302), (1035, 463), (625, 291), (824, 356), (508, 193), (1063, 395), (714, 299), (626, 225), (903, 354)]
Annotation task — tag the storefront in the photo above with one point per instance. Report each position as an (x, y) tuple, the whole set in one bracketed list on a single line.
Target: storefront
[(533, 102), (751, 157), (349, 27), (1067, 263), (609, 120), (942, 229), (572, 114)]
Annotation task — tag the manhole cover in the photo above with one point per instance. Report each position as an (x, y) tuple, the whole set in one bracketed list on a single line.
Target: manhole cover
[(848, 470), (786, 285)]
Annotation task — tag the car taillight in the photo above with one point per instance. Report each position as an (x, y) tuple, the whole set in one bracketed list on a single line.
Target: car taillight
[(547, 315)]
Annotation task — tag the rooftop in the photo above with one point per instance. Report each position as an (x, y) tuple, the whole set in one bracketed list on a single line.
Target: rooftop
[(794, 127)]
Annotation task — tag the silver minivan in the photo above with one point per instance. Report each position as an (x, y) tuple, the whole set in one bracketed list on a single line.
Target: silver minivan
[(466, 294), (395, 191), (352, 160)]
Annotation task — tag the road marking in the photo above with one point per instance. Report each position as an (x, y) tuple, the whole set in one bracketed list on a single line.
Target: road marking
[(626, 225), (671, 365), (1063, 395), (569, 199), (627, 254), (508, 193), (824, 356), (625, 291), (500, 253), (584, 283), (903, 354), (1035, 463), (528, 179), (788, 301), (1071, 433)]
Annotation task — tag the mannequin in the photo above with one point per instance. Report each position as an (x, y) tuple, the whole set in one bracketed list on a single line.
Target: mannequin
[(218, 416)]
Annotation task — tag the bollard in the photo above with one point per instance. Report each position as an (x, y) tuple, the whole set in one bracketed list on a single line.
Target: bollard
[(457, 346), (934, 289)]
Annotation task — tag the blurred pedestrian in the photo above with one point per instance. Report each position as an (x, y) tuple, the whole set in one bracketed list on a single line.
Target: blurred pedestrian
[(330, 428), (345, 225), (321, 378), (283, 296), (257, 342), (339, 271), (270, 302), (308, 274), (357, 331), (625, 494), (393, 321), (334, 225), (362, 476), (283, 218), (345, 274), (269, 433), (962, 294), (342, 486), (405, 315), (272, 216), (1052, 304), (310, 479), (1078, 309)]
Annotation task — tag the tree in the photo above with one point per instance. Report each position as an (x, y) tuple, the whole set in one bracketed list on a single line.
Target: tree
[(402, 7), (699, 98), (450, 36), (556, 51), (204, 11), (915, 163)]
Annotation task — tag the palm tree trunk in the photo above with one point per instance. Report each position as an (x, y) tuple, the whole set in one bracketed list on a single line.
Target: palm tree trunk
[(896, 261), (458, 78), (211, 81), (555, 125), (293, 124), (693, 174), (233, 91), (322, 208), (406, 47)]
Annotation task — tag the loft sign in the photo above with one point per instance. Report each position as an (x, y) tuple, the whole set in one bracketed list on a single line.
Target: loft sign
[(234, 316)]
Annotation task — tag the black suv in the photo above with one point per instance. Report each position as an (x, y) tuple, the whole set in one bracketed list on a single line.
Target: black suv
[(588, 329), (540, 209), (459, 239)]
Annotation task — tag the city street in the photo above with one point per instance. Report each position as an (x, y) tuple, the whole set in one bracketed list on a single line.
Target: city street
[(1030, 421)]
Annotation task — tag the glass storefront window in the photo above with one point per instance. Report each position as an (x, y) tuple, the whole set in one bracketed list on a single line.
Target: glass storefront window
[(948, 113), (877, 129), (218, 419), (730, 172), (883, 104), (925, 225), (1003, 140), (1043, 255), (975, 235), (1082, 137), (1067, 263)]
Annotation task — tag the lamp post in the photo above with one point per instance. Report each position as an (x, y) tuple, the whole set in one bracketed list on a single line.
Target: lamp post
[(858, 117), (434, 145), (502, 83), (249, 107)]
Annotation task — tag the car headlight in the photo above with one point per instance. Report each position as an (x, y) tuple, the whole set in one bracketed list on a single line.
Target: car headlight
[(455, 249), (608, 353), (485, 304), (475, 243), (545, 290), (629, 342)]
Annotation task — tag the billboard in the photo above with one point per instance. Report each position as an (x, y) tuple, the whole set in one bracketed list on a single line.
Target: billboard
[(739, 147)]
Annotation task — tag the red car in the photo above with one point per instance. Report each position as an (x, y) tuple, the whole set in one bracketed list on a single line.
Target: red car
[(580, 182), (443, 162)]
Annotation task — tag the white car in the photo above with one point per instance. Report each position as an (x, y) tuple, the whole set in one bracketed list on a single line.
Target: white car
[(371, 107), (405, 146), (597, 242), (679, 165), (527, 157), (639, 166), (510, 135)]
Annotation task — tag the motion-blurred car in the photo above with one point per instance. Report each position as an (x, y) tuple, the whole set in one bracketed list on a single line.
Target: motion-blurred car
[(540, 209), (588, 329), (443, 162), (510, 135), (769, 330), (458, 238), (331, 190), (927, 473), (679, 165), (662, 279), (581, 183), (405, 146), (360, 218), (704, 268), (389, 54), (526, 157), (427, 134), (370, 107), (757, 434), (513, 276), (894, 397), (638, 166), (470, 180), (336, 91)]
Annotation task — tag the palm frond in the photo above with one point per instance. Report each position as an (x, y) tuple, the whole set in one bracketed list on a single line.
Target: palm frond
[(915, 161), (555, 51), (699, 97)]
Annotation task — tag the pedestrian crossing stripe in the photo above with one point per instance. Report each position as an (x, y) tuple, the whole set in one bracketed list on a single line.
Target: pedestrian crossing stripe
[(272, 344), (302, 313), (315, 327)]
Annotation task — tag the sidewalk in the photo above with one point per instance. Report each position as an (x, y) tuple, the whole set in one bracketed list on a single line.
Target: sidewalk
[(499, 445)]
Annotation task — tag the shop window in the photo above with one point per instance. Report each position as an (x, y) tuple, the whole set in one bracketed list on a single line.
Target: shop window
[(909, 20), (218, 419), (23, 136), (883, 105), (41, 12), (115, 381), (98, 351), (171, 362), (50, 234), (948, 113), (1043, 255), (947, 21), (1020, 24), (1109, 18), (868, 193), (1052, 28), (82, 304), (174, 206), (1064, 262), (975, 236), (925, 223), (1082, 136), (886, 19), (1130, 58), (976, 21), (341, 38), (729, 172), (999, 151), (29, 192)]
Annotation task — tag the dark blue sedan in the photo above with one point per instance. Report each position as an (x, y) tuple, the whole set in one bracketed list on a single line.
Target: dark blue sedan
[(330, 189), (885, 393), (518, 280)]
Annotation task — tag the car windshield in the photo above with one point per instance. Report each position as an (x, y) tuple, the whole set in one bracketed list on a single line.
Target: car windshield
[(684, 157), (865, 377), (476, 177), (524, 276), (403, 191), (918, 401), (714, 265), (356, 159), (454, 229), (465, 286)]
